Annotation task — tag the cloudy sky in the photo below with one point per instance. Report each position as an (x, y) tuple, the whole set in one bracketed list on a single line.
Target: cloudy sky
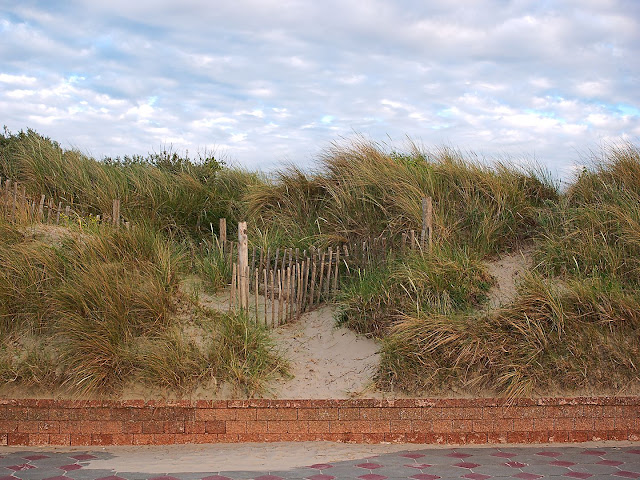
[(267, 82)]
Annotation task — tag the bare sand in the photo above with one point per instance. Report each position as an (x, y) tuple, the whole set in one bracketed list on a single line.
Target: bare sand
[(326, 361), (508, 270)]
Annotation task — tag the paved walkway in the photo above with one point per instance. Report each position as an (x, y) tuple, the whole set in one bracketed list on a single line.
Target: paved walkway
[(512, 462)]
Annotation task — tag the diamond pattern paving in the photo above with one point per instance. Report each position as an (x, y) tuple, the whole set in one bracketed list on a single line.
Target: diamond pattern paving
[(487, 463)]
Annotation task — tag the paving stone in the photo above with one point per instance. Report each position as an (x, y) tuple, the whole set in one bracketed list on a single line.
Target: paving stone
[(89, 474), (547, 470), (496, 470), (36, 474), (600, 469)]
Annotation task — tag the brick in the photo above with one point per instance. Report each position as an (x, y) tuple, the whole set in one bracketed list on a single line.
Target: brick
[(17, 413), (49, 427), (373, 438), (462, 413), (542, 424), (216, 414), (229, 427), (558, 437), (379, 413), (363, 426), (18, 439), (143, 439), (523, 424), (122, 439), (402, 426), (197, 438), (37, 413), (533, 412), (603, 423), (174, 426), (276, 426), (319, 427), (109, 426), (518, 437), (479, 426), (101, 439), (59, 439), (476, 438), (411, 414), (28, 426), (442, 426), (316, 414), (497, 437), (228, 438), (612, 411), (276, 414), (298, 427), (427, 438), (618, 435), (395, 437), (248, 414), (133, 427), (8, 426), (163, 439), (342, 437), (421, 425), (38, 439), (152, 426), (218, 426), (80, 439), (194, 426), (599, 435), (563, 424), (583, 424), (255, 437), (579, 436), (503, 424), (461, 425), (349, 414), (258, 426), (3, 439), (456, 438), (538, 437)]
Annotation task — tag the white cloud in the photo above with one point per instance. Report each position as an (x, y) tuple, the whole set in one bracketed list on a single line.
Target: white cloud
[(273, 81)]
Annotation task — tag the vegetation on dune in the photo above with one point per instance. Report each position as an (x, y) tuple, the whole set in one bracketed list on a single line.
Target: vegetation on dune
[(87, 306), (92, 310), (360, 191), (574, 323)]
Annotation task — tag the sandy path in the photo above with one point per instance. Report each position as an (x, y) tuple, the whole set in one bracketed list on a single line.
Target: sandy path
[(508, 270), (327, 362), (244, 456)]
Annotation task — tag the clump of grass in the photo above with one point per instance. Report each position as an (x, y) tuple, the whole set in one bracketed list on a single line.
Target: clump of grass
[(444, 281), (577, 335), (214, 266), (175, 193), (362, 190), (245, 353)]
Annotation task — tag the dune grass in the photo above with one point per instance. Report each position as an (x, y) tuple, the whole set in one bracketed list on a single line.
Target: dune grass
[(574, 323), (84, 307), (93, 310)]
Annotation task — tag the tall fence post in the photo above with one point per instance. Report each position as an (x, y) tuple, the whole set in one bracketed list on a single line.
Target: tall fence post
[(223, 234), (243, 265)]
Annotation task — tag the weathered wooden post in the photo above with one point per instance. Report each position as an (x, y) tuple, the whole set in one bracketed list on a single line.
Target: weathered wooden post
[(243, 265), (223, 234)]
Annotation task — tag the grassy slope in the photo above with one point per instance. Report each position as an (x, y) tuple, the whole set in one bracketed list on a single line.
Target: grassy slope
[(429, 311)]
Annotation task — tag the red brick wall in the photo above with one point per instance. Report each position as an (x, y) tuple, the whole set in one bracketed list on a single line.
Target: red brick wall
[(468, 421)]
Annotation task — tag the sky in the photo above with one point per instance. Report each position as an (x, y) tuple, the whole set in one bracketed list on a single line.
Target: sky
[(265, 83)]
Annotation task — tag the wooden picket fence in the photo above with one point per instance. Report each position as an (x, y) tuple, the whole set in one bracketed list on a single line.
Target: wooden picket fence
[(16, 204), (277, 287)]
